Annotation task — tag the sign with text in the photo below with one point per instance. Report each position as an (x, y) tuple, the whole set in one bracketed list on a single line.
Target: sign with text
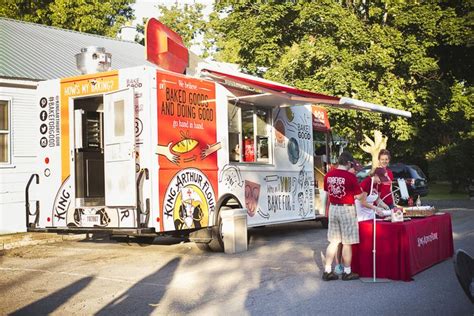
[(187, 151), (320, 119)]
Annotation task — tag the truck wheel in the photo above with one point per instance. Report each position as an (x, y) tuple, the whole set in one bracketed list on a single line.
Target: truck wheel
[(397, 198), (147, 240), (204, 246), (324, 221), (217, 242)]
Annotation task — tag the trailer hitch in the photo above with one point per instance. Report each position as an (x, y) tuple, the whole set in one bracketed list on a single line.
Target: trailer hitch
[(27, 204)]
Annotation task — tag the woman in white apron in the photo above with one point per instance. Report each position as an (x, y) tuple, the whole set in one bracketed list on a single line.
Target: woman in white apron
[(366, 208)]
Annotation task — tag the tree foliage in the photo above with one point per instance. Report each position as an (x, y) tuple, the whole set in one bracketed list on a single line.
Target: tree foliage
[(102, 17), (406, 55), (186, 20), (415, 56)]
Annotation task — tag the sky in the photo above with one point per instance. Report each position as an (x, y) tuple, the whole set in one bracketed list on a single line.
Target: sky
[(147, 9)]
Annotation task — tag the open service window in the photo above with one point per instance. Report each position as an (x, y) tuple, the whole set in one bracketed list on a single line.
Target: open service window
[(249, 133)]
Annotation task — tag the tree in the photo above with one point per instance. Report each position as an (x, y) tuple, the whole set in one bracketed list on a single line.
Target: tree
[(394, 53), (102, 17), (374, 146)]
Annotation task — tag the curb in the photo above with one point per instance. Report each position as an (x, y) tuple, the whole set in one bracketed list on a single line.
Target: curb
[(12, 241)]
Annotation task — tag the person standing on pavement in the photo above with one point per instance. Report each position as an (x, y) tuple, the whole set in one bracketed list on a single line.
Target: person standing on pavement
[(386, 193), (343, 189), (339, 268)]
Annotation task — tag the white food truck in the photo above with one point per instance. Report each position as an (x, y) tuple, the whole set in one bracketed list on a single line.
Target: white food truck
[(145, 151)]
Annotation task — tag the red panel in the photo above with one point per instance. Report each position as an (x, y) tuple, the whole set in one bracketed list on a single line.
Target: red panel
[(164, 47), (320, 119), (187, 151)]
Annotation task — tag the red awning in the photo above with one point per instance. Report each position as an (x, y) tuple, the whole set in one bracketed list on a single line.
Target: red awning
[(298, 95), (275, 87)]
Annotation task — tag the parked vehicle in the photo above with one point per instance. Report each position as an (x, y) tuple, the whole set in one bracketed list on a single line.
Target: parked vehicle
[(470, 188), (363, 173), (415, 180), (143, 151), (414, 177)]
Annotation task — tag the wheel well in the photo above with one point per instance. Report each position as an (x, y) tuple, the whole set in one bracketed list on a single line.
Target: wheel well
[(228, 200)]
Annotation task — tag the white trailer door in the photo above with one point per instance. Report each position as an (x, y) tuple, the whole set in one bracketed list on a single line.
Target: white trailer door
[(119, 151)]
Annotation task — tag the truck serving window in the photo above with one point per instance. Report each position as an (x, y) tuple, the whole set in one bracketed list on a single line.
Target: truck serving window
[(249, 133)]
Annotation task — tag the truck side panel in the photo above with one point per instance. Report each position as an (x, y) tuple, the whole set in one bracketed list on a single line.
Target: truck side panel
[(187, 151), (283, 190)]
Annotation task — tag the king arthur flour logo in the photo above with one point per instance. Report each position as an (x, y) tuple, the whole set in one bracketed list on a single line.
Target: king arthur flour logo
[(62, 202), (189, 201), (424, 240)]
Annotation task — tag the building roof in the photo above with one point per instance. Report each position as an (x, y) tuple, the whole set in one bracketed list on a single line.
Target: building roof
[(39, 52)]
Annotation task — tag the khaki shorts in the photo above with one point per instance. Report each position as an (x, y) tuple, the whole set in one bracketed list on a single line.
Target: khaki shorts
[(343, 226)]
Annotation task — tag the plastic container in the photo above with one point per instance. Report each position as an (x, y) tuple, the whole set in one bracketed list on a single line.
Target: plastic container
[(234, 230)]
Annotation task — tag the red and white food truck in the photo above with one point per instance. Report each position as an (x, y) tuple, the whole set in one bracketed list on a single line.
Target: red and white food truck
[(145, 150)]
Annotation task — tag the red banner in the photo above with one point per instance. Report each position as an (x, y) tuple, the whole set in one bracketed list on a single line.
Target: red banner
[(320, 119)]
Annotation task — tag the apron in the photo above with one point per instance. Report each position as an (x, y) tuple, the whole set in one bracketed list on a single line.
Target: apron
[(364, 213)]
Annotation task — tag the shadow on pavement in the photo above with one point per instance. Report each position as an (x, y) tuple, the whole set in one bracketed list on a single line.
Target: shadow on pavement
[(143, 297), (50, 303), (142, 241)]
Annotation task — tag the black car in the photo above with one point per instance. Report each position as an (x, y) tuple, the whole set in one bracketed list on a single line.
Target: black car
[(415, 180)]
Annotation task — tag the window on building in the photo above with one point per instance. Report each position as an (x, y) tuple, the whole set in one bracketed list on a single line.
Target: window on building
[(5, 146), (249, 133), (5, 129)]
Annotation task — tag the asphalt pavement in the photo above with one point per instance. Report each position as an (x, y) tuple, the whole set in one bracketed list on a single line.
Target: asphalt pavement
[(279, 274)]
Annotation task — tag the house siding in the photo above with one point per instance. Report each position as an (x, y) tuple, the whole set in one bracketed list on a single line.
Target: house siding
[(15, 176)]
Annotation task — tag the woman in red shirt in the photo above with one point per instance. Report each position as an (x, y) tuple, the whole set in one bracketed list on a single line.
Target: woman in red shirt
[(371, 190), (386, 193)]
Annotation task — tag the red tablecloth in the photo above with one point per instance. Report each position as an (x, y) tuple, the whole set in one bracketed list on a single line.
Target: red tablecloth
[(403, 249)]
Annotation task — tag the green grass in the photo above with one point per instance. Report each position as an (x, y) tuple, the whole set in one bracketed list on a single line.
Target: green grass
[(441, 191)]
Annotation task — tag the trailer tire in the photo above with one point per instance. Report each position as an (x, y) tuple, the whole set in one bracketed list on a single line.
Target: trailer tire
[(217, 242), (204, 246), (324, 222), (397, 198), (144, 240)]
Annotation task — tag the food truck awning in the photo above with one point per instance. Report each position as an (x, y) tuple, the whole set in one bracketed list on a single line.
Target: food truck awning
[(299, 95)]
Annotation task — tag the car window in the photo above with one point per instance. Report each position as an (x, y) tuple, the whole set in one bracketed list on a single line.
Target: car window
[(416, 172), (400, 171), (401, 174), (364, 173)]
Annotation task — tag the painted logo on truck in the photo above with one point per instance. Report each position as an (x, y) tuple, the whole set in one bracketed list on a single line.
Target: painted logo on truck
[(189, 201), (187, 146)]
